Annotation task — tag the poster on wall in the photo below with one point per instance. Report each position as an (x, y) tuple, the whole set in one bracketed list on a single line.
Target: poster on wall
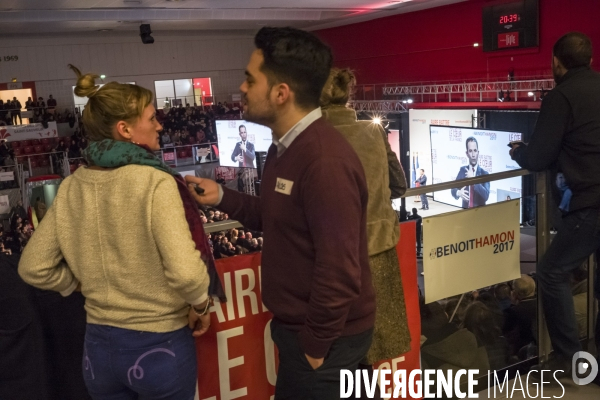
[(4, 205), (420, 144), (394, 141), (240, 140), (13, 133), (459, 153), (471, 249)]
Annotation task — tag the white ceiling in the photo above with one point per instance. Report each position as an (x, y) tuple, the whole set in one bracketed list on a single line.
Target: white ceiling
[(37, 17)]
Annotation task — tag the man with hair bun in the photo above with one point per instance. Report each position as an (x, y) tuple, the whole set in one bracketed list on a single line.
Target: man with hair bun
[(566, 139)]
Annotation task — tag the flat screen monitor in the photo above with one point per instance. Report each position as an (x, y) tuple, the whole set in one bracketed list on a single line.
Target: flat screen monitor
[(239, 141), (459, 152)]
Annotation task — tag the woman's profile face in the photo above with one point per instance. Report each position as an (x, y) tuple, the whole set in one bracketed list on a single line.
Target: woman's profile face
[(146, 129)]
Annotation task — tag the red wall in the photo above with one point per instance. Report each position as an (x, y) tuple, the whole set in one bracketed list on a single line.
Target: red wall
[(437, 44)]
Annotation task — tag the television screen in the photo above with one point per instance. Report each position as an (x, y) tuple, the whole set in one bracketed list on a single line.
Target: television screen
[(459, 153), (239, 141)]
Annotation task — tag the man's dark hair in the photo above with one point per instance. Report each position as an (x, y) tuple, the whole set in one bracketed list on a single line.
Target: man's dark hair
[(297, 58), (502, 291), (422, 170), (414, 211), (469, 140), (573, 50), (242, 126)]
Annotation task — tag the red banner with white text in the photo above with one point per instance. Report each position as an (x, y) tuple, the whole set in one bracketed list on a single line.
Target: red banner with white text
[(237, 358)]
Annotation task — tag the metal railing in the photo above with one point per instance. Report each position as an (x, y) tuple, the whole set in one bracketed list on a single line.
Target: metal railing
[(543, 238), (542, 193), (222, 226), (388, 93)]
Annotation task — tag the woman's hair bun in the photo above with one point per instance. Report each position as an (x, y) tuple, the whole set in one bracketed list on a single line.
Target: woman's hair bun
[(344, 80), (86, 84), (338, 88)]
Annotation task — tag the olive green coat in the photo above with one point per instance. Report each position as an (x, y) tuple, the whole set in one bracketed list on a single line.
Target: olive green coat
[(385, 180), (385, 177)]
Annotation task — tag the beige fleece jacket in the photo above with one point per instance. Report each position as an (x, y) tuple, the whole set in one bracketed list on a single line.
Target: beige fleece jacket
[(370, 143), (123, 235)]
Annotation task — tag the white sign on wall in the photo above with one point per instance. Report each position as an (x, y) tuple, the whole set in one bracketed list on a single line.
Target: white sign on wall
[(32, 131), (471, 249), (420, 145), (7, 176), (4, 205), (394, 141)]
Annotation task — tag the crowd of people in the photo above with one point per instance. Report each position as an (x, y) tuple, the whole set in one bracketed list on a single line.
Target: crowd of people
[(495, 327), (189, 124), (231, 242), (13, 241), (43, 111)]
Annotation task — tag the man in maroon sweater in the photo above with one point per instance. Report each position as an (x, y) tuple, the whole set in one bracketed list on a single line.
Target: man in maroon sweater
[(312, 211)]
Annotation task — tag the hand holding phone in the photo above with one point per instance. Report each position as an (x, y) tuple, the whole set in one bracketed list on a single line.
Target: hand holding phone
[(516, 143)]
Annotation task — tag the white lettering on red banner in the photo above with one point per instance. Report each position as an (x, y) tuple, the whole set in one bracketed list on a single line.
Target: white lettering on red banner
[(237, 358)]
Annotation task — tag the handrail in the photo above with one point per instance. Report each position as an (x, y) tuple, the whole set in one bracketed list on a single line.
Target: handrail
[(465, 182), (222, 226), (186, 145)]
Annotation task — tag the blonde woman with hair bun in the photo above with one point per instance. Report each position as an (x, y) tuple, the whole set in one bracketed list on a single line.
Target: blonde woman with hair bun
[(126, 232), (385, 180)]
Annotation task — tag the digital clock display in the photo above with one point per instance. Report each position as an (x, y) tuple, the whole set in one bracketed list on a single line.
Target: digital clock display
[(509, 19)]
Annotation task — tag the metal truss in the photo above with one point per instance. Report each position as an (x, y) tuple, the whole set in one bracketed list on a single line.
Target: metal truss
[(378, 106), (474, 87)]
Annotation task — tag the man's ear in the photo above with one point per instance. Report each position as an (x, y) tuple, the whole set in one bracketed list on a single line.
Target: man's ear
[(282, 93)]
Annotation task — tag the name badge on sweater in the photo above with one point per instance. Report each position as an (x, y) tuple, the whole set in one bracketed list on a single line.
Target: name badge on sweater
[(284, 186)]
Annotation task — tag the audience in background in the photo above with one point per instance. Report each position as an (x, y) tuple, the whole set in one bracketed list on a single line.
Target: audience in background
[(193, 124), (520, 327), (232, 241), (482, 323)]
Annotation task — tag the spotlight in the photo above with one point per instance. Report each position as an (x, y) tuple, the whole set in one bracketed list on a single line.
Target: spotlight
[(475, 44), (377, 120), (102, 77), (409, 101), (145, 32), (530, 94)]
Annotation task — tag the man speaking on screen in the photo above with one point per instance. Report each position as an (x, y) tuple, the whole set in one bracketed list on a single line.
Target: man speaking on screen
[(244, 150), (472, 195)]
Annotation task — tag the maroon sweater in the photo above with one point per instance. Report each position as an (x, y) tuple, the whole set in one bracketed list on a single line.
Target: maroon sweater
[(315, 265)]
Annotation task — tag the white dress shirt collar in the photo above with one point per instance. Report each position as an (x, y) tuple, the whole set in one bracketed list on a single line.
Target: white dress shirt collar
[(291, 135)]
